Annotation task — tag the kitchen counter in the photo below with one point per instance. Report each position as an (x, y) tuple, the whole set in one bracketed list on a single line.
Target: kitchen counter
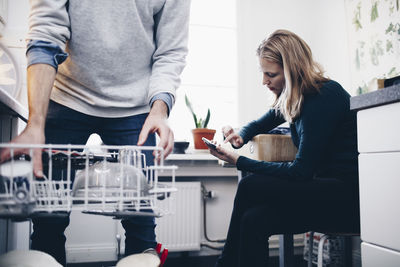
[(380, 97), (9, 105), (199, 163)]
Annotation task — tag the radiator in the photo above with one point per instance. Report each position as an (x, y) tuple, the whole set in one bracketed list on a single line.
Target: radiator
[(180, 231)]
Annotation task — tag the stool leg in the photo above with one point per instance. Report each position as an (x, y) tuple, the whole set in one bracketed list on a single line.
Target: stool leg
[(321, 249), (286, 250), (348, 251), (310, 248)]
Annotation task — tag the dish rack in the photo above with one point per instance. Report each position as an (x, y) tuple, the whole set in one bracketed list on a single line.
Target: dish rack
[(140, 193)]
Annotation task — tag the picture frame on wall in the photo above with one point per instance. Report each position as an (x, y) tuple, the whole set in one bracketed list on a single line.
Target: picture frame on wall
[(374, 42)]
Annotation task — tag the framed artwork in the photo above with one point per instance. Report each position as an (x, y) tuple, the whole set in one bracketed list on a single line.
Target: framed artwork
[(374, 41)]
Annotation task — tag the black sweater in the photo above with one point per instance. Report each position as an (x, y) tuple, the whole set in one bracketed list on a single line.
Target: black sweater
[(325, 134)]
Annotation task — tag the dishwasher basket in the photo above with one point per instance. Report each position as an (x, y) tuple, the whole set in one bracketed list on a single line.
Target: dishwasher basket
[(105, 180)]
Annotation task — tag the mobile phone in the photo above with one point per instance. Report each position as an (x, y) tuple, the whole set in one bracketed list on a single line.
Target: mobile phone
[(209, 143)]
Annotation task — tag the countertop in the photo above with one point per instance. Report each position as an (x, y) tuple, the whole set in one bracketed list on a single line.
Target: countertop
[(379, 97), (10, 105), (192, 154), (199, 163)]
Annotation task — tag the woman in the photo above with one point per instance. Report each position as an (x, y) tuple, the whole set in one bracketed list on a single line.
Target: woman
[(319, 189)]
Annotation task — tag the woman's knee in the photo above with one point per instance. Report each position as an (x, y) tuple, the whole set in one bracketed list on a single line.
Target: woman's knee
[(243, 191), (255, 224), (256, 188), (246, 184)]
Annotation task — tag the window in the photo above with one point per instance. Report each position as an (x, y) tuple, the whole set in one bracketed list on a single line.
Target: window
[(210, 76)]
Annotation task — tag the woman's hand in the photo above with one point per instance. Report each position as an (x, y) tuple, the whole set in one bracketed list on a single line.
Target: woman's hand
[(231, 136), (224, 154)]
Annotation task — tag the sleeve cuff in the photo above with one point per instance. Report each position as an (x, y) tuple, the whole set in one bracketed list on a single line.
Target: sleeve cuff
[(166, 97), (239, 163), (45, 53)]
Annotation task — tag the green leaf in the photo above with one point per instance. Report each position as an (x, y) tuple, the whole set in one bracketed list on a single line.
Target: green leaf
[(189, 105), (199, 122), (357, 17), (207, 119), (393, 72), (374, 12), (195, 120), (390, 28), (389, 46), (358, 64)]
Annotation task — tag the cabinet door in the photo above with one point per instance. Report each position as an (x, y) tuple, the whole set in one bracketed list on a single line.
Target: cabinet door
[(380, 198), (373, 256), (379, 129), (91, 238)]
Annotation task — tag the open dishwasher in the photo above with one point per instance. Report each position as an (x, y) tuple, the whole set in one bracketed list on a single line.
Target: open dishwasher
[(104, 180)]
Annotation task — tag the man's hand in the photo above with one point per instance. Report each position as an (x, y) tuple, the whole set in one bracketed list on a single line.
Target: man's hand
[(231, 136), (156, 122), (40, 82), (224, 154), (31, 135)]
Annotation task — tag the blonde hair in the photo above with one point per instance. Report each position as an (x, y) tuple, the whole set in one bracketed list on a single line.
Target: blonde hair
[(302, 74)]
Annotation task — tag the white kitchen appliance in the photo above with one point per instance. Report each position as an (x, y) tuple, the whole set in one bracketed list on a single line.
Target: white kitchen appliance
[(10, 77)]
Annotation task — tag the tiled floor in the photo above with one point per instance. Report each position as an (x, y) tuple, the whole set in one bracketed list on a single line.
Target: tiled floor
[(206, 257), (198, 261)]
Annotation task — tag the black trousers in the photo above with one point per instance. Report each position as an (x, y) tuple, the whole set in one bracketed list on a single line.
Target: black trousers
[(265, 206)]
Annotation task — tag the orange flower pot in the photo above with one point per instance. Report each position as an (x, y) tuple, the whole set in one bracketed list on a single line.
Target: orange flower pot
[(198, 133)]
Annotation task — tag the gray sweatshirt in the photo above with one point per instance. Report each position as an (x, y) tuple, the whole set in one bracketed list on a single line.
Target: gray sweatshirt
[(121, 52)]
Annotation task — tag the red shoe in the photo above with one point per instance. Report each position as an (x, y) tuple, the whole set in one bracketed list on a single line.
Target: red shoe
[(163, 257)]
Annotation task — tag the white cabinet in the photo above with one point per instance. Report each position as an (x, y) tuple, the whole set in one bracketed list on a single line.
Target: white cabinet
[(379, 177), (374, 256), (380, 198), (379, 129), (92, 238)]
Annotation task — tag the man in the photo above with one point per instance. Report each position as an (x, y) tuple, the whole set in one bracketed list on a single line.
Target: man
[(121, 66)]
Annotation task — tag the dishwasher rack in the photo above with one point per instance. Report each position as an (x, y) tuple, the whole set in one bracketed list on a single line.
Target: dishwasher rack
[(112, 181)]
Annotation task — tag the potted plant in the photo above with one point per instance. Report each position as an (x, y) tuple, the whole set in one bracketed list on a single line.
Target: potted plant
[(200, 129)]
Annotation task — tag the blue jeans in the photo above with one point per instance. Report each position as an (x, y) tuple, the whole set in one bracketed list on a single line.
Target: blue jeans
[(67, 126)]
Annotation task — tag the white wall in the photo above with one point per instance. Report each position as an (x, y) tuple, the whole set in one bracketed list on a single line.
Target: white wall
[(210, 76), (321, 23)]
